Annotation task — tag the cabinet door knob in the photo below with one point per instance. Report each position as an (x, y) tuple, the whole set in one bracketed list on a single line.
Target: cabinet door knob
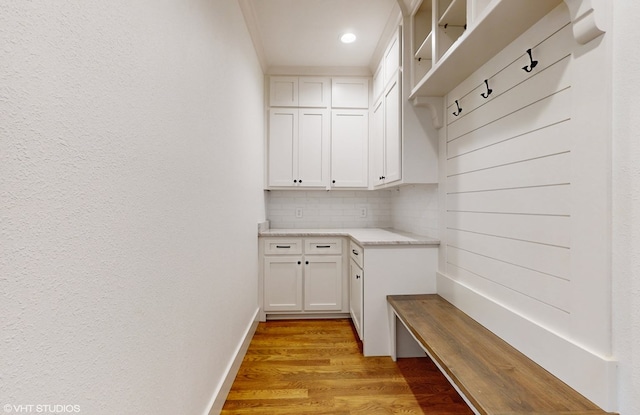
[(357, 276), (300, 181), (333, 181), (299, 262), (295, 181), (306, 262)]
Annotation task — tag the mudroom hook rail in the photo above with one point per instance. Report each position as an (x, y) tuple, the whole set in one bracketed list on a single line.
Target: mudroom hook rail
[(489, 90), (533, 63), (459, 109)]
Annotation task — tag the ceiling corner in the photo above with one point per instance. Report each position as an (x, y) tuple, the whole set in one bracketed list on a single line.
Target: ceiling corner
[(254, 32)]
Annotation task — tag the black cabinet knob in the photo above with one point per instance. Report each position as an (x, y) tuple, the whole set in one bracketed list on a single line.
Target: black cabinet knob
[(333, 181), (300, 181), (306, 262), (299, 262), (295, 181)]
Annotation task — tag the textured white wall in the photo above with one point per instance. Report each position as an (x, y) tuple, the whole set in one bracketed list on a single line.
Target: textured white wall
[(626, 205), (130, 188)]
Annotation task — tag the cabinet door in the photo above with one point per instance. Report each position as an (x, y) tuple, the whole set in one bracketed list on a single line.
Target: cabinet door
[(283, 283), (392, 135), (323, 283), (283, 91), (392, 58), (377, 143), (349, 148), (283, 142), (378, 82), (312, 160), (350, 93), (355, 296), (313, 92)]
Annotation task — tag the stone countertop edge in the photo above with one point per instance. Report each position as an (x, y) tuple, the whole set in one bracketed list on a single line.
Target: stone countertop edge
[(362, 236)]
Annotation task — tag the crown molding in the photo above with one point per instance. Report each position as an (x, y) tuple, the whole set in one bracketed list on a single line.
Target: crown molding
[(252, 26)]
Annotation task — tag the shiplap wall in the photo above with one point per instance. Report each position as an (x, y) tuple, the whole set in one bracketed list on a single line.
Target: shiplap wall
[(518, 253), (509, 181)]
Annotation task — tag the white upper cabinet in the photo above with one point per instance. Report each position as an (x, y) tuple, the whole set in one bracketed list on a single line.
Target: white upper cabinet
[(392, 133), (313, 147), (389, 65), (386, 137), (298, 151), (377, 143), (404, 147), (391, 59), (349, 148), (282, 145), (304, 91), (283, 91), (378, 82), (304, 146), (314, 92), (350, 93)]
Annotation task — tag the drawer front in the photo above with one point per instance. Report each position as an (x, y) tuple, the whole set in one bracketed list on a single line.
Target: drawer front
[(357, 254), (322, 246), (282, 246)]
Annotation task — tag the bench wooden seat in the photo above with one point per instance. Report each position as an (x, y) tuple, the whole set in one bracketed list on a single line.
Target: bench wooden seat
[(494, 377)]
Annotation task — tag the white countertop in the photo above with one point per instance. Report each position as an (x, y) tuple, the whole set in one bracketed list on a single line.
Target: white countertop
[(363, 236)]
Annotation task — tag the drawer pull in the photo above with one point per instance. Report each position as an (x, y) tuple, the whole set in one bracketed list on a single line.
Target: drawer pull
[(323, 246), (283, 246), (355, 252)]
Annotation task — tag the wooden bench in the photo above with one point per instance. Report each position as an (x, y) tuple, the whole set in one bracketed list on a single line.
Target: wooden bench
[(492, 376)]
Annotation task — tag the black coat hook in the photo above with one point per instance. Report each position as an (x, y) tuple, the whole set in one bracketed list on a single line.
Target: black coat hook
[(533, 64), (459, 109), (489, 90)]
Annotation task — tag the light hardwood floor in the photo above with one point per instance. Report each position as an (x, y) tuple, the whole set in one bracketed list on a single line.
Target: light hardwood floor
[(316, 367)]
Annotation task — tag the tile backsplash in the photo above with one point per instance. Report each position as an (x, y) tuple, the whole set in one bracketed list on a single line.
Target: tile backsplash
[(415, 209), (329, 209), (412, 208)]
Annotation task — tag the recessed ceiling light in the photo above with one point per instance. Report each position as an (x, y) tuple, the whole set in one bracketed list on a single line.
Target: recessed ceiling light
[(348, 38)]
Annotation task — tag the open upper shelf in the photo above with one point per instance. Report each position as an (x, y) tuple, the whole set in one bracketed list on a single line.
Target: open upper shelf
[(455, 15), (501, 23), (425, 50)]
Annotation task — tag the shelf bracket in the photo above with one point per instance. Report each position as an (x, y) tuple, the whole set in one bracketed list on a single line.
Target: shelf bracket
[(587, 18), (434, 105)]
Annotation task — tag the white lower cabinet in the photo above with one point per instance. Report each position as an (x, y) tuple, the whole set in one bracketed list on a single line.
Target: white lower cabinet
[(323, 283), (325, 277), (283, 277), (386, 270), (355, 296), (303, 276)]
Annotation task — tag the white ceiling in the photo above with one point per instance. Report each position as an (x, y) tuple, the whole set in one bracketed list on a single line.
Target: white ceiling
[(298, 33)]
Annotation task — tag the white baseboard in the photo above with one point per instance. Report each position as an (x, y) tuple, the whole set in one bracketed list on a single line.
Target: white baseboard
[(232, 370), (590, 374)]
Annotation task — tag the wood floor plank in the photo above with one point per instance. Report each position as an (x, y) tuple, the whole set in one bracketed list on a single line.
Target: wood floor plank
[(316, 367)]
